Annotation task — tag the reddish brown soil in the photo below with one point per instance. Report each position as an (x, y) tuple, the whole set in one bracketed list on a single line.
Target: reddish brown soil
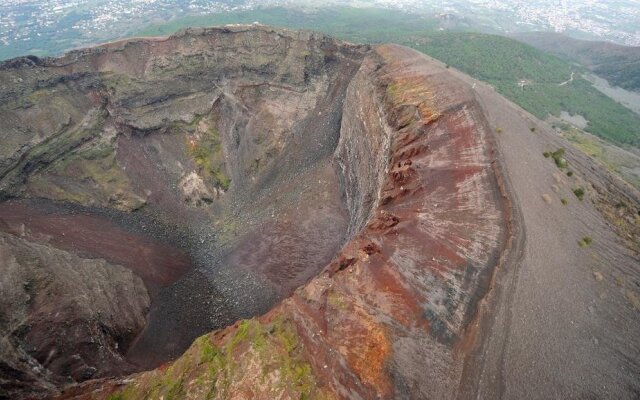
[(95, 236), (135, 153)]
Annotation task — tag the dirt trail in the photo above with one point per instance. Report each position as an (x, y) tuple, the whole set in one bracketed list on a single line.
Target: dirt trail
[(567, 81)]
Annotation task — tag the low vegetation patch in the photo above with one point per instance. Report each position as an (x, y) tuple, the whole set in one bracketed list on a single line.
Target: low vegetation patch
[(585, 241), (254, 354), (611, 157), (207, 154), (89, 174), (579, 192), (558, 158)]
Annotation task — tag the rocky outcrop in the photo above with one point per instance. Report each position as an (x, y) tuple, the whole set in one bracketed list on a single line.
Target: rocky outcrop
[(64, 318), (216, 94), (363, 149)]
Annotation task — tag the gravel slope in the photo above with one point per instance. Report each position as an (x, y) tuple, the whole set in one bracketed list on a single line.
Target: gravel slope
[(565, 320)]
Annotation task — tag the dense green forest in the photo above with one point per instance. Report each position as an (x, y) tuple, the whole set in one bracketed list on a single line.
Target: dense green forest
[(620, 65), (503, 62)]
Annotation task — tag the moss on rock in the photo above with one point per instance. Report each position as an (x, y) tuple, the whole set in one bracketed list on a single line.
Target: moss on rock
[(256, 358)]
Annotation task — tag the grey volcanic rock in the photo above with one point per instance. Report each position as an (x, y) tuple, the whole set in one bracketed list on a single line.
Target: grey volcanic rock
[(363, 148)]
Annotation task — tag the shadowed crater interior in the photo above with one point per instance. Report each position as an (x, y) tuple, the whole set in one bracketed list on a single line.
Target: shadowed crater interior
[(205, 163)]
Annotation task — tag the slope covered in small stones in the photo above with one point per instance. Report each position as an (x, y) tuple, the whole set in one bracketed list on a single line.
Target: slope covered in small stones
[(563, 320)]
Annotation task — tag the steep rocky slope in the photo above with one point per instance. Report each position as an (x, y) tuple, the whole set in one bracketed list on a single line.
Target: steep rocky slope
[(564, 319), (63, 316), (335, 221), (201, 162)]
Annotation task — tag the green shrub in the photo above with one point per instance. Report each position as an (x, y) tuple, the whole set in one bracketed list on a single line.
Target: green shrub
[(569, 173), (558, 157), (564, 202), (585, 241), (206, 153), (579, 192)]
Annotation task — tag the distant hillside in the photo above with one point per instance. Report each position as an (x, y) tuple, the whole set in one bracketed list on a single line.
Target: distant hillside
[(620, 65), (503, 62), (353, 24)]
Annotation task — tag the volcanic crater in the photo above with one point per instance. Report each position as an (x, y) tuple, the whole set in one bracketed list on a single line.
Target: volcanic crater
[(337, 215)]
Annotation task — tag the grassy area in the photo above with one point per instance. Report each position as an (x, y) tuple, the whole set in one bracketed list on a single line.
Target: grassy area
[(269, 356), (207, 154), (354, 24), (623, 162), (504, 62)]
